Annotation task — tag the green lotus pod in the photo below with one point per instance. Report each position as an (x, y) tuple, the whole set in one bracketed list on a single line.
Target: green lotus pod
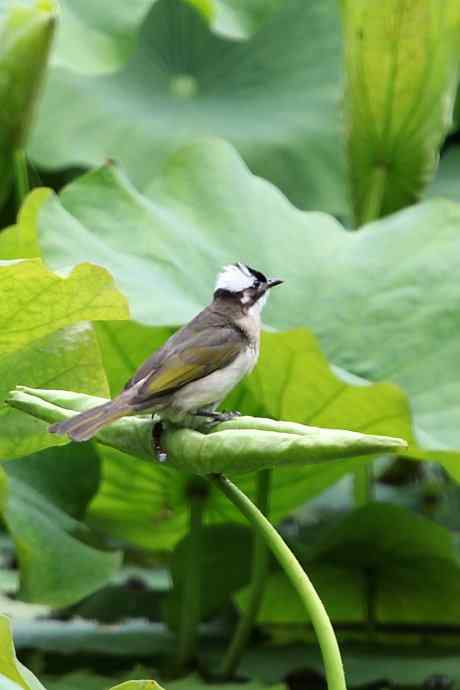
[(244, 444)]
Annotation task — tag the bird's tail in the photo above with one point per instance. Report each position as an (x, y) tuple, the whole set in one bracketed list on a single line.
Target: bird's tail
[(82, 427)]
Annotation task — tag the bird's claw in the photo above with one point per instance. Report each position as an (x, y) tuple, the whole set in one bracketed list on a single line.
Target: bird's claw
[(227, 416), (158, 450)]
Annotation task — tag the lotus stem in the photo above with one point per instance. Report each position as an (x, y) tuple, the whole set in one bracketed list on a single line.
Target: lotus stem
[(320, 620)]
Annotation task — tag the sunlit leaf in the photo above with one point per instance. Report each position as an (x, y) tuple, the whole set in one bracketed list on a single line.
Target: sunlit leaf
[(69, 357), (20, 241), (402, 64), (36, 303), (12, 673)]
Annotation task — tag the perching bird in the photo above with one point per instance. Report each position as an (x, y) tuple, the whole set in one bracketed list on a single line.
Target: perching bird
[(185, 380)]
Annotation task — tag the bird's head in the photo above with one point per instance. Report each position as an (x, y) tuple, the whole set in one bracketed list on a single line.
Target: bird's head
[(244, 285)]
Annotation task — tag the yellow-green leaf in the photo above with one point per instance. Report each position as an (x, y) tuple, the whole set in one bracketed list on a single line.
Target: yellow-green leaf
[(402, 63)]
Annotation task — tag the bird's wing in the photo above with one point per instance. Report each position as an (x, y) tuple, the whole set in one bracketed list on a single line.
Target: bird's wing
[(194, 355)]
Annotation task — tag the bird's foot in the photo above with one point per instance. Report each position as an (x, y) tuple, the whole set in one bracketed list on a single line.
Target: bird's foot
[(217, 417), (227, 416), (158, 450)]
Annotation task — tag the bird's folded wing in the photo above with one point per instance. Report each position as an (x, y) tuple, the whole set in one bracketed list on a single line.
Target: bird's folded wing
[(193, 358)]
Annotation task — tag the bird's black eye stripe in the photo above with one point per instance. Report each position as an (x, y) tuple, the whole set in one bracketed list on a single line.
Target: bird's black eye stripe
[(257, 274)]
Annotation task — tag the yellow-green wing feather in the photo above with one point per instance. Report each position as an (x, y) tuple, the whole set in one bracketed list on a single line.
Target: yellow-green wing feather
[(191, 362)]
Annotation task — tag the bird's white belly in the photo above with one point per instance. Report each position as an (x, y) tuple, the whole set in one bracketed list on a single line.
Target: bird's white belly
[(214, 387)]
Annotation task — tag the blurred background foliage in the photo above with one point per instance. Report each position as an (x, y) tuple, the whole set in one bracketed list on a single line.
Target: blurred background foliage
[(319, 141)]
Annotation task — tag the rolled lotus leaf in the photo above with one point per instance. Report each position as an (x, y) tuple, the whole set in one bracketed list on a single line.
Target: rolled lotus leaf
[(244, 444), (26, 31)]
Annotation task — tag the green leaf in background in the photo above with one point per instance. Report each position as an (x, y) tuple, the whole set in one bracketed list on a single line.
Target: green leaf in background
[(225, 567), (124, 346), (20, 241), (86, 681), (281, 604), (271, 96), (196, 683), (411, 562), (382, 301), (69, 357), (402, 64), (134, 494), (35, 304), (134, 638), (56, 568), (99, 37), (25, 38), (67, 476), (11, 668)]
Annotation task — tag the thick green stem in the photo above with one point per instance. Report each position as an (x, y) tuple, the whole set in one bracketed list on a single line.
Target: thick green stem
[(372, 205), (21, 176), (363, 488), (260, 561), (190, 605), (299, 579)]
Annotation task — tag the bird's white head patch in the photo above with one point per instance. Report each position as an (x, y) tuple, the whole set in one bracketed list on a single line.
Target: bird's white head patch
[(235, 278)]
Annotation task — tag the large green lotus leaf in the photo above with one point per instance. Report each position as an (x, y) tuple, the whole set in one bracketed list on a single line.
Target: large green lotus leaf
[(70, 358), (402, 64), (446, 182), (55, 567), (99, 37), (25, 37), (274, 96), (411, 562), (297, 382), (382, 301)]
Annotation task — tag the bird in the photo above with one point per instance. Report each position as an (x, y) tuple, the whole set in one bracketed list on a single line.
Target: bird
[(184, 381)]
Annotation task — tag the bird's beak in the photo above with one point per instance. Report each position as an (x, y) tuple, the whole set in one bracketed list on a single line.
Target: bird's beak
[(274, 282)]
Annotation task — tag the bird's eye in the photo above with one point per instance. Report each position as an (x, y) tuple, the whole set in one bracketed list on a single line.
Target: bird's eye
[(256, 284)]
